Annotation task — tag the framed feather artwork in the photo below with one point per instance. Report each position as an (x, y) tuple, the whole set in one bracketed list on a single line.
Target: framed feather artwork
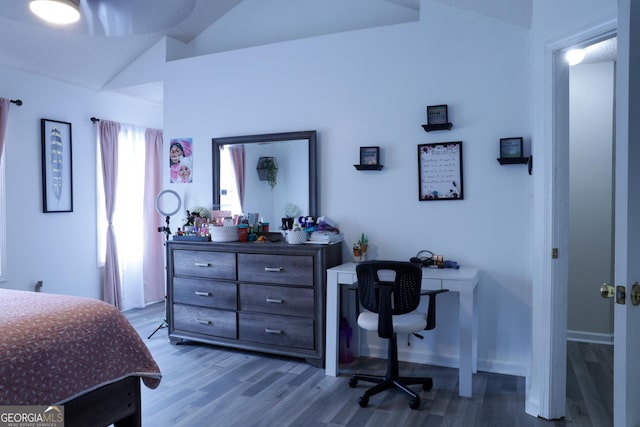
[(57, 172)]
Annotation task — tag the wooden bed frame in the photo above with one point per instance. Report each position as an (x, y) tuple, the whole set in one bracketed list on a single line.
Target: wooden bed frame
[(118, 404), (103, 378)]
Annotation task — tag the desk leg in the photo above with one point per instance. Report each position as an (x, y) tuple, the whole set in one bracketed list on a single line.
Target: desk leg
[(466, 341), (331, 341)]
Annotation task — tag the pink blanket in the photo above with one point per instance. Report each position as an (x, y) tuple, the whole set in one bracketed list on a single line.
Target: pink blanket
[(56, 347)]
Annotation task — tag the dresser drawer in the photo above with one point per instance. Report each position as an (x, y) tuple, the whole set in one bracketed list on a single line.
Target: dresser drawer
[(278, 330), (285, 269), (277, 299), (216, 265), (206, 293), (206, 321)]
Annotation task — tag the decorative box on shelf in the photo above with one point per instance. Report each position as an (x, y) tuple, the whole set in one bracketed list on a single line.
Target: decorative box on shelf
[(437, 118), (511, 152), (369, 159)]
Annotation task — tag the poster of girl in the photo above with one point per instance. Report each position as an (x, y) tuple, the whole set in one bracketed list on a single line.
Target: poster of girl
[(180, 152)]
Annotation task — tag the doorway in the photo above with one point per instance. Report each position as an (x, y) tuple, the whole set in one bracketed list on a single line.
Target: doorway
[(591, 229), (591, 187)]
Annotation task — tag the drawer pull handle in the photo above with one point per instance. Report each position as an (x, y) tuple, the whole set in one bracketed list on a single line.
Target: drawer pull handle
[(273, 269), (273, 331), (203, 294), (274, 301), (202, 264), (204, 322)]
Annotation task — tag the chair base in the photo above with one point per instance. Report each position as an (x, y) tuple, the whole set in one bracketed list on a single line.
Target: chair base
[(386, 383), (392, 379)]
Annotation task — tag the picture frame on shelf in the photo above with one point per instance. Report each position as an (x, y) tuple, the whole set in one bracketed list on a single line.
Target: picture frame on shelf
[(511, 148), (440, 171), (369, 156), (57, 166), (437, 115)]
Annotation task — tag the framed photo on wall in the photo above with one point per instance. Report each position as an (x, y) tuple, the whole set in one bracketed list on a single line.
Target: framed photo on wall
[(437, 115), (440, 171), (511, 148), (369, 155), (57, 171)]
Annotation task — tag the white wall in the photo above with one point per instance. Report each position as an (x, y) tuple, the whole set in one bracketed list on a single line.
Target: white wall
[(371, 87), (590, 200), (58, 248)]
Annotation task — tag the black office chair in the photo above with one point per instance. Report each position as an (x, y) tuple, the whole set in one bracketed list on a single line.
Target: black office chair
[(390, 309)]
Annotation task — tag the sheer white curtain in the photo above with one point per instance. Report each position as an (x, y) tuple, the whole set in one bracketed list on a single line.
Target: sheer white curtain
[(128, 218)]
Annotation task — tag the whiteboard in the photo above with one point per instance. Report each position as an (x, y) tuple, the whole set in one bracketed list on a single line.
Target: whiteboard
[(440, 171)]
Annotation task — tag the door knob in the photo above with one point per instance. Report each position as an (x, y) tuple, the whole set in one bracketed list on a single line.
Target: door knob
[(607, 291), (635, 294), (620, 292)]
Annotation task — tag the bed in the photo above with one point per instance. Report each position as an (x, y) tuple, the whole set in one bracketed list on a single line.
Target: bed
[(72, 351)]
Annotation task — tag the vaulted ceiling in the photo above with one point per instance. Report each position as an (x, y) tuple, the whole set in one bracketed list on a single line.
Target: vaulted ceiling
[(113, 33)]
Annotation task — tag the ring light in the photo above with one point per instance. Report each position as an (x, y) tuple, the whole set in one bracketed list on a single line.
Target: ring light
[(167, 214), (159, 197)]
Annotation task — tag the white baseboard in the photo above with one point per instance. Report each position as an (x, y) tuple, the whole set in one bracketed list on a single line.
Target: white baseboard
[(590, 337), (447, 360)]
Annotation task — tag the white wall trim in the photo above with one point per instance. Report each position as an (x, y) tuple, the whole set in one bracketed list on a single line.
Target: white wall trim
[(590, 337), (546, 391), (450, 360)]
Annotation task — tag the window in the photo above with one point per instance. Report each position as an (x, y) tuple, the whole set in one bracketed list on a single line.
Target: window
[(128, 216)]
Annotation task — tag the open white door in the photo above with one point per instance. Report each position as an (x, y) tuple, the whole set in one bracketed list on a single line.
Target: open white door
[(626, 382)]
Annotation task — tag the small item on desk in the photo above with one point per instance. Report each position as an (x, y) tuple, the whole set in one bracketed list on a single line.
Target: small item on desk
[(450, 264), (424, 258), (438, 260), (360, 249), (428, 259)]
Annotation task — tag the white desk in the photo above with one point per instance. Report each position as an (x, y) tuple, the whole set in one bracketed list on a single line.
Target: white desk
[(463, 281)]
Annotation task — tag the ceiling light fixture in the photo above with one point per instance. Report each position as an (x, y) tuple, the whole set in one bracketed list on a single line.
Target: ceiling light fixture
[(575, 56), (56, 11)]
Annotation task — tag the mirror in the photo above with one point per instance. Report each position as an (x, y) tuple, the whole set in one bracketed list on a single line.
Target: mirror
[(295, 189)]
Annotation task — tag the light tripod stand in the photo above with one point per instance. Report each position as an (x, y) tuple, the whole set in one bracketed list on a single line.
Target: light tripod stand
[(167, 232)]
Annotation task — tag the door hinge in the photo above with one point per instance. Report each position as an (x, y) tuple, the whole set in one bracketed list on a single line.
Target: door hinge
[(554, 253)]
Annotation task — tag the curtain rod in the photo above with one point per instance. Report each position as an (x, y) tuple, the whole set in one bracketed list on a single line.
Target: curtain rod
[(95, 120), (18, 102)]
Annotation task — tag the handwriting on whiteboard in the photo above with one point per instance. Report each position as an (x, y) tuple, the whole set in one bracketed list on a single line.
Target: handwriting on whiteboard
[(440, 171)]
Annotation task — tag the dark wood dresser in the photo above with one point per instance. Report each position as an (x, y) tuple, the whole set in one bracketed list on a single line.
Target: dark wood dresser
[(267, 297)]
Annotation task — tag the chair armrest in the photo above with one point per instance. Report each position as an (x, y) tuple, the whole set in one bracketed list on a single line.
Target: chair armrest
[(433, 292), (431, 313)]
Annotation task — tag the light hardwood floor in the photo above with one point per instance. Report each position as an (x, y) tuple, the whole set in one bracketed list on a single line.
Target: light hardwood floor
[(207, 386)]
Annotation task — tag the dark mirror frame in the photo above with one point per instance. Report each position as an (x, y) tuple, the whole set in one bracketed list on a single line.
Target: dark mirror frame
[(309, 136)]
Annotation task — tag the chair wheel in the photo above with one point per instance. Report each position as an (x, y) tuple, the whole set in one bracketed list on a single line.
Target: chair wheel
[(363, 401), (427, 385), (353, 382), (414, 403)]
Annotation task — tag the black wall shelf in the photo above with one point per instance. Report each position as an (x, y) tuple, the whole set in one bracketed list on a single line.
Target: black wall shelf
[(439, 126), (513, 160), (368, 167)]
